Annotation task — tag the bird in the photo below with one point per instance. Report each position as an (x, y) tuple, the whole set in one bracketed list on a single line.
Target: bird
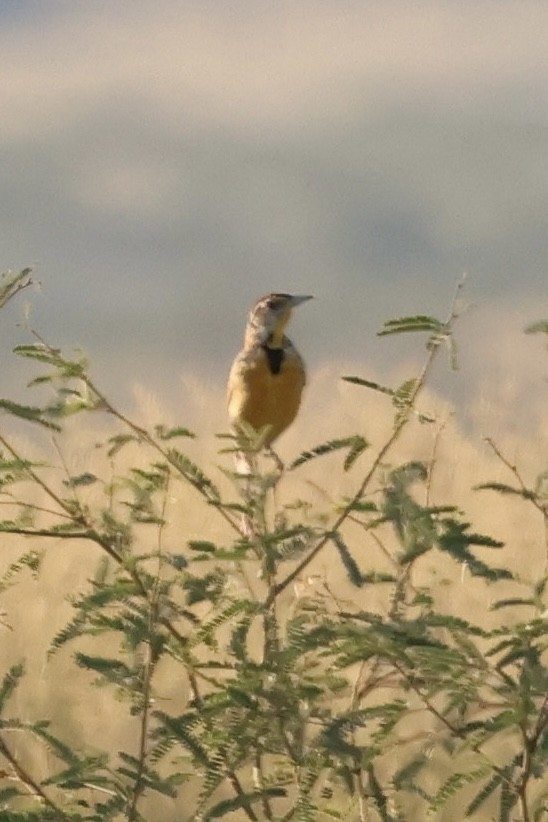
[(267, 377)]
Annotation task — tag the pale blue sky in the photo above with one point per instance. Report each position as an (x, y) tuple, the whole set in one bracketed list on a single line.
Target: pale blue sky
[(163, 164)]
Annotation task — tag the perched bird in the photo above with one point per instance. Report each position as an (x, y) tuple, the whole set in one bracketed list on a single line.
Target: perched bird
[(268, 375)]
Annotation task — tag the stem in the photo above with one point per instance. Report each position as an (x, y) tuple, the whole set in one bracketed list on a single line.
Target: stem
[(259, 784), (31, 507), (526, 774), (13, 287), (530, 743), (143, 732), (432, 462), (150, 666), (362, 797), (29, 782)]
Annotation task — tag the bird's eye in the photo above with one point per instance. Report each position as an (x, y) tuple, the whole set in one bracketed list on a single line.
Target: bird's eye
[(275, 302)]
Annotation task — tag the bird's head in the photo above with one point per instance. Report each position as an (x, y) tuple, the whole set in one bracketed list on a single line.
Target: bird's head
[(269, 317)]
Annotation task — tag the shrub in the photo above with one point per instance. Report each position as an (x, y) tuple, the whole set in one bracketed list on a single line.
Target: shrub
[(290, 706)]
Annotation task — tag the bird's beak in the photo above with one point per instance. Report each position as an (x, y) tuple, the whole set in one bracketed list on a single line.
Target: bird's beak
[(298, 300)]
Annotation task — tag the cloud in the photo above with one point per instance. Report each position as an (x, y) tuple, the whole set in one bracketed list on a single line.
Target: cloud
[(275, 65), (166, 166)]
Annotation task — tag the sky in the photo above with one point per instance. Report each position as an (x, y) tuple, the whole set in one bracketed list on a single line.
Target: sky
[(165, 164)]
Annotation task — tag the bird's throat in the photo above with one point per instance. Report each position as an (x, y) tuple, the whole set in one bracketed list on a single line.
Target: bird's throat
[(274, 357)]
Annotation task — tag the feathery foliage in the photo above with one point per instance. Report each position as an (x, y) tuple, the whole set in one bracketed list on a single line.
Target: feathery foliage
[(291, 699)]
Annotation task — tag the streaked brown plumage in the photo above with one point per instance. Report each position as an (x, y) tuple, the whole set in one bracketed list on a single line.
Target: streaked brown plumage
[(268, 375)]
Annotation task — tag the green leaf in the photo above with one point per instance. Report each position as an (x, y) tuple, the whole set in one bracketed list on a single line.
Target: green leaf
[(379, 797), (42, 352), (181, 729), (39, 351), (454, 783), (113, 669), (10, 284), (81, 479), (82, 772), (245, 800), (178, 561), (375, 386), (483, 795), (164, 433), (59, 749), (27, 412), (355, 444), (202, 545), (356, 449), (502, 488), (456, 539), (9, 683), (512, 602), (193, 474), (118, 441), (375, 577), (405, 776), (30, 560), (6, 794), (539, 327), (419, 322), (136, 770), (508, 799), (403, 396), (200, 589), (363, 506), (350, 564)]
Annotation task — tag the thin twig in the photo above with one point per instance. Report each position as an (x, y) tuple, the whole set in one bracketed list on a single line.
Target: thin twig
[(18, 283), (362, 797), (432, 462), (530, 743), (30, 783), (31, 507), (259, 784), (527, 492), (530, 495)]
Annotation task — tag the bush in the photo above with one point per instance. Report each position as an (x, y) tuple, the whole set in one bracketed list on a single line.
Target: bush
[(286, 700)]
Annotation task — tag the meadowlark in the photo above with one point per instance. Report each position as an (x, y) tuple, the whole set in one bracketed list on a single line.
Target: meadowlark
[(268, 375)]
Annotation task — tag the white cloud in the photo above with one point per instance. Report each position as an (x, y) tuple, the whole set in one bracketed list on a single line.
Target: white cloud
[(269, 66)]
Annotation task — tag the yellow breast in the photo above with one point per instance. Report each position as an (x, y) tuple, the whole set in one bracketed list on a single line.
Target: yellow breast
[(260, 397)]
